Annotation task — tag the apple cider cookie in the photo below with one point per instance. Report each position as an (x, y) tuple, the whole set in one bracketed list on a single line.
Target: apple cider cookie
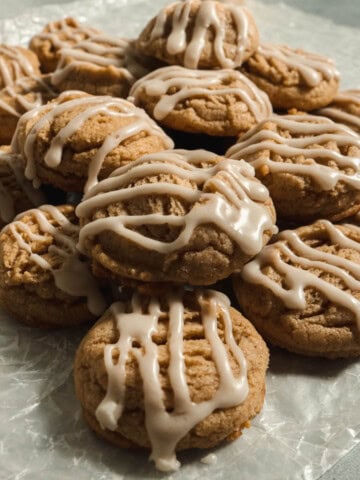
[(293, 78), (101, 65), (56, 35), (71, 141), (176, 216), (24, 95), (200, 34), (310, 165), (303, 292), (168, 373), (213, 102), (345, 108), (16, 62), (44, 282)]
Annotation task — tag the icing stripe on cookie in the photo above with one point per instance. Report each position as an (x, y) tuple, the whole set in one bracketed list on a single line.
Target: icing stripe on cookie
[(206, 19), (307, 132), (228, 196), (90, 106), (13, 65), (174, 85), (165, 429), (292, 257), (73, 276), (337, 110), (312, 67)]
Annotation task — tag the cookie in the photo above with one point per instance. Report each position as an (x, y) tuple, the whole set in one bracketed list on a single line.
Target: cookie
[(310, 165), (25, 94), (200, 34), (101, 65), (303, 292), (198, 379), (16, 62), (345, 108), (213, 102), (293, 78), (43, 280), (72, 140), (16, 193), (55, 36), (176, 216)]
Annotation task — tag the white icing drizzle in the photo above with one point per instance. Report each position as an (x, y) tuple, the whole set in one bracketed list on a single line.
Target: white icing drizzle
[(74, 276), (13, 65), (291, 247), (165, 429), (66, 32), (311, 131), (101, 50), (19, 92), (337, 109), (175, 84), (90, 106), (312, 67), (7, 200), (206, 19), (228, 196)]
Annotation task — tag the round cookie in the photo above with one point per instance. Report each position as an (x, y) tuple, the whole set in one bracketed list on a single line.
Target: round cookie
[(176, 216), (16, 193), (214, 102), (55, 36), (345, 108), (77, 137), (16, 62), (101, 65), (310, 165), (201, 380), (303, 292), (43, 280), (25, 94), (200, 34), (293, 78)]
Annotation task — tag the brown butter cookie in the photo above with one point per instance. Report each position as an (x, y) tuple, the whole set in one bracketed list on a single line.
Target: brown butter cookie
[(200, 34), (303, 292), (176, 216), (173, 397)]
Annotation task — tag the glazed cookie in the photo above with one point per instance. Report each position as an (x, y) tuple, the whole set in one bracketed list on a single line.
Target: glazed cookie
[(55, 36), (303, 292), (101, 65), (345, 108), (176, 216), (43, 280), (310, 165), (16, 193), (184, 370), (24, 95), (201, 34), (214, 102), (16, 62), (77, 137), (293, 78)]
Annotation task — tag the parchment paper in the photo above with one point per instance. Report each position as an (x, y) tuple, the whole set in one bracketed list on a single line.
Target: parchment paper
[(311, 416)]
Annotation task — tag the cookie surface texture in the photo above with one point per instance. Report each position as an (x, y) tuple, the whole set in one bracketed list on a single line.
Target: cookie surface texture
[(200, 34), (310, 165), (303, 292), (212, 102), (200, 381), (176, 216), (43, 280)]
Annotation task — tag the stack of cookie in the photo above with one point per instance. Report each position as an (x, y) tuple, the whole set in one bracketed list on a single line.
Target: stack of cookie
[(170, 365)]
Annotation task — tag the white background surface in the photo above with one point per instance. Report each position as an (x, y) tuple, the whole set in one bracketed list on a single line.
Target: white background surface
[(311, 416)]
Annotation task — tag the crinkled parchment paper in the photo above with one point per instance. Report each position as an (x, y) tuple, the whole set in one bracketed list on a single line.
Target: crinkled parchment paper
[(311, 416)]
